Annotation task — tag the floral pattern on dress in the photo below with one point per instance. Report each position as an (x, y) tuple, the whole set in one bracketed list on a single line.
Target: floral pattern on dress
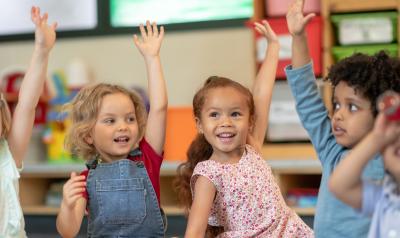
[(248, 201)]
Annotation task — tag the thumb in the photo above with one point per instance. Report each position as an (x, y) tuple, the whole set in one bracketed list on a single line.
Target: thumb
[(73, 174), (308, 18)]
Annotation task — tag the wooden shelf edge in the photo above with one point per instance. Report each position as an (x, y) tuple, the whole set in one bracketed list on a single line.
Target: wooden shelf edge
[(338, 6), (50, 210), (308, 211)]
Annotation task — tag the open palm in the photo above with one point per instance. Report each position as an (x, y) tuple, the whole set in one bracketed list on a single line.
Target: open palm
[(150, 43)]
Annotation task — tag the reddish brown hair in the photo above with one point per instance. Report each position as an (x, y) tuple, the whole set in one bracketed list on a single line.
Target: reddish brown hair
[(200, 149)]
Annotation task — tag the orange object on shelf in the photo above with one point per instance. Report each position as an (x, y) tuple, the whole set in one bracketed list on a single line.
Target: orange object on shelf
[(180, 132)]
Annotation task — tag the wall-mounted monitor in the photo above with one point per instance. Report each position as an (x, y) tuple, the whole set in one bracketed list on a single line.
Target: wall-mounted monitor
[(127, 13)]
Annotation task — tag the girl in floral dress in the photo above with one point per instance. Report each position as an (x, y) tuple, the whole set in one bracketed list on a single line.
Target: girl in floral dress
[(226, 185)]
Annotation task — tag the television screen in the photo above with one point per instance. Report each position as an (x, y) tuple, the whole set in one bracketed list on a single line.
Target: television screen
[(71, 15), (127, 13)]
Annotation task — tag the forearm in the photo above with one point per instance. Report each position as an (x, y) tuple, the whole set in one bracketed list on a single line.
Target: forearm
[(156, 84), (262, 90), (300, 52), (32, 85), (346, 178), (68, 224)]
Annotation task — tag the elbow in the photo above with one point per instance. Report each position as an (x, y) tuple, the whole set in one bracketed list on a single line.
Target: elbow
[(333, 186)]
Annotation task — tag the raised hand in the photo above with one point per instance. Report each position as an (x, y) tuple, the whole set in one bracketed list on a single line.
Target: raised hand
[(295, 19), (150, 44), (73, 190), (266, 30), (386, 131), (45, 34)]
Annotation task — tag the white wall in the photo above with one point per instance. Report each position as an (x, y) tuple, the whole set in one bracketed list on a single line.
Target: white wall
[(188, 58)]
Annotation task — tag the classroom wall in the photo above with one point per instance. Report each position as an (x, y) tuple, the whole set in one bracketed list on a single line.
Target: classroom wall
[(188, 58)]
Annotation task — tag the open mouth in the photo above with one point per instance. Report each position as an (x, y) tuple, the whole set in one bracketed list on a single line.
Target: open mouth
[(226, 137), (121, 139)]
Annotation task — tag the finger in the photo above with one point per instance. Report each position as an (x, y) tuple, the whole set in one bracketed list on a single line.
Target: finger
[(74, 199), (45, 17), (155, 29), (73, 174), (136, 40), (76, 191), (35, 15), (308, 18), (161, 34), (142, 31), (267, 26), (148, 28), (54, 26)]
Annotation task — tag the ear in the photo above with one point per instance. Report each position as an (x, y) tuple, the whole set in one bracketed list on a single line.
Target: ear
[(198, 125), (89, 139)]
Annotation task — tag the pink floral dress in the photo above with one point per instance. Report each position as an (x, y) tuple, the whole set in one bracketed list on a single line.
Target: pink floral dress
[(248, 202)]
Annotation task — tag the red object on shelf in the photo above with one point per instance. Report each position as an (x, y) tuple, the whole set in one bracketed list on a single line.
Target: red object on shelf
[(279, 25), (277, 8), (12, 82)]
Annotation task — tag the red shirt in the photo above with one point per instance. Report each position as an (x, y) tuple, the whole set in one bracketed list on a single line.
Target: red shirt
[(152, 162)]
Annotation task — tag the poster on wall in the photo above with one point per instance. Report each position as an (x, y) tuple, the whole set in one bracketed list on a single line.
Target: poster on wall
[(70, 15)]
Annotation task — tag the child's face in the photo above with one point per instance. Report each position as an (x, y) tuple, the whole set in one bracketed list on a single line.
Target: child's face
[(225, 120), (352, 116), (116, 130), (391, 157)]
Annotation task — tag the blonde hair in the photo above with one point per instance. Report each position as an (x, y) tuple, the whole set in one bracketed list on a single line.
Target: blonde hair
[(5, 115), (83, 111)]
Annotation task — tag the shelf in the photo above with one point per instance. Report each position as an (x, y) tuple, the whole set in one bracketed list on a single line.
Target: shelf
[(40, 210), (50, 210), (336, 6)]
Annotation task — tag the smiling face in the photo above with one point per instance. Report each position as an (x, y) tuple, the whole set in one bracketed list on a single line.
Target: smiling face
[(225, 121), (352, 117), (116, 130)]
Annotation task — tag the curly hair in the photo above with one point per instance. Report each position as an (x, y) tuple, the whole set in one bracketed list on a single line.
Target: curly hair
[(5, 115), (368, 75), (83, 111), (200, 149)]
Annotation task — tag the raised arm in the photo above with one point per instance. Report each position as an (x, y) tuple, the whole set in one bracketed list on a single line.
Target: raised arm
[(73, 206), (264, 83), (297, 23), (345, 181), (31, 87), (149, 46)]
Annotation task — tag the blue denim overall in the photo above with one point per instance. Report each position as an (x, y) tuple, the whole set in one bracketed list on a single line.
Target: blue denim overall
[(122, 201)]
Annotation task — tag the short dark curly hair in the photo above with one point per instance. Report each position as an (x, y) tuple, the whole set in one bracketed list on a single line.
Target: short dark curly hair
[(368, 75)]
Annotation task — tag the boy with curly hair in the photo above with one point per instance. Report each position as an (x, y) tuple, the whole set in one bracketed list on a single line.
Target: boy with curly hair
[(357, 82)]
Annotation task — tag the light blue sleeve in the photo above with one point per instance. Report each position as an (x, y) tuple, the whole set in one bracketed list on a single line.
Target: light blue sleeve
[(312, 111), (371, 194)]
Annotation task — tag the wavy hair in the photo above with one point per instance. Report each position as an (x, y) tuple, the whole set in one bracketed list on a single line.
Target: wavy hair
[(83, 111)]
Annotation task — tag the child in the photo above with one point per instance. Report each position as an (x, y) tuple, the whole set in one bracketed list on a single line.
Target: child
[(16, 131), (381, 201), (120, 189), (357, 82), (232, 185)]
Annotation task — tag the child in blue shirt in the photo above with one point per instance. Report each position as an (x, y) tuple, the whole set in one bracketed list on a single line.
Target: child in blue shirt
[(357, 82), (381, 201)]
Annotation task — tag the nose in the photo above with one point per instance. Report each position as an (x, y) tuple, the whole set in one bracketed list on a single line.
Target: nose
[(122, 126), (338, 115), (226, 121)]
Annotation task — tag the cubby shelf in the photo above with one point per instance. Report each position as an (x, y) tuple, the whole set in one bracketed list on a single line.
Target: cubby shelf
[(285, 160)]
